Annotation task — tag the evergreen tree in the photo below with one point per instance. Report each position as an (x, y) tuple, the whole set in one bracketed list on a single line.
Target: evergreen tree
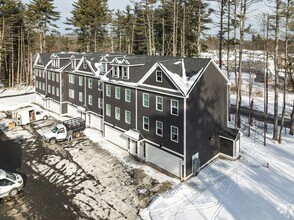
[(42, 15)]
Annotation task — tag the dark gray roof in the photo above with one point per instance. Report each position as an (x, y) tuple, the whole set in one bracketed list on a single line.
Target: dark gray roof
[(229, 133), (45, 57)]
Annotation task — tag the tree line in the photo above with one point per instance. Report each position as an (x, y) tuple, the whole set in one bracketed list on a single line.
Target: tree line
[(155, 27)]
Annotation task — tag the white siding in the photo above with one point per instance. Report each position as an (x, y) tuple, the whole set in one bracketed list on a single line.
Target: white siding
[(73, 111), (163, 160), (54, 106), (95, 122), (116, 137)]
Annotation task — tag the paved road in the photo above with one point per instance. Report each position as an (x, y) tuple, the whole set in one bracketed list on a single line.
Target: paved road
[(259, 115)]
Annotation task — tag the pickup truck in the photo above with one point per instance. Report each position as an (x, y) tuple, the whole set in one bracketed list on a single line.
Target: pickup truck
[(60, 131)]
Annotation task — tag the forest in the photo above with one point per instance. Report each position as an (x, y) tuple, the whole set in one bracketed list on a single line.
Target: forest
[(183, 28)]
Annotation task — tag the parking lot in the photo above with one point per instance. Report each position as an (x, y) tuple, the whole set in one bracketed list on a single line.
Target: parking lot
[(72, 180)]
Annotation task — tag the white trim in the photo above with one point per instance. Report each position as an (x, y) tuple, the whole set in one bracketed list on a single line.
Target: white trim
[(220, 71), (161, 135), (90, 80), (185, 137), (146, 106), (126, 117), (144, 123), (117, 110), (126, 95), (106, 92), (117, 88), (106, 110), (171, 107), (157, 103), (177, 141), (156, 72)]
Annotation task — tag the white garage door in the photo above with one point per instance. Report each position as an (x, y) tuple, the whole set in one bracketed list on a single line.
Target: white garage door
[(116, 137), (95, 122), (72, 111), (164, 160), (54, 106)]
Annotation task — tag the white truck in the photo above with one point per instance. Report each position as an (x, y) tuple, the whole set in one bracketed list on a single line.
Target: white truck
[(27, 115), (60, 132)]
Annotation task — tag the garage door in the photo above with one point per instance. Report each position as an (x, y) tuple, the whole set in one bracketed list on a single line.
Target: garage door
[(163, 160), (54, 107), (72, 111), (95, 121), (116, 137)]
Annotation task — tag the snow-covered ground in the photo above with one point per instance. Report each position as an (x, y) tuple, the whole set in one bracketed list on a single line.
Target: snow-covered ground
[(260, 185)]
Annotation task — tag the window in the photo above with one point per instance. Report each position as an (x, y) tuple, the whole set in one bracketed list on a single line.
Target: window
[(43, 74), (71, 93), (108, 90), (117, 113), (145, 100), (115, 71), (90, 100), (159, 103), (53, 76), (125, 74), (80, 81), (159, 128), (57, 77), (127, 116), (37, 84), (104, 67), (174, 134), (128, 95), (49, 75), (100, 85), (80, 96), (73, 64), (40, 84), (158, 76), (53, 90), (49, 88), (174, 107), (117, 92), (90, 83), (108, 110), (57, 92), (100, 103), (71, 78), (85, 64), (146, 123), (43, 86)]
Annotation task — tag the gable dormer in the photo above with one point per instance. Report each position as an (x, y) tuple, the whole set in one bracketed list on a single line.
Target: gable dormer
[(73, 62), (55, 61), (84, 66)]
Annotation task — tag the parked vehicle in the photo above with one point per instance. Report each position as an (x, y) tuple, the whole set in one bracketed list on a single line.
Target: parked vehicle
[(61, 132), (10, 183), (27, 115)]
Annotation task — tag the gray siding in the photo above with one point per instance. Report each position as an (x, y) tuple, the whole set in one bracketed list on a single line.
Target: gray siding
[(206, 115), (166, 83)]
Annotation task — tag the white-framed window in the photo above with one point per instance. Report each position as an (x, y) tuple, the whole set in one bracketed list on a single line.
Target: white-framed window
[(57, 91), (71, 93), (73, 64), (53, 76), (80, 81), (85, 64), (100, 85), (115, 71), (158, 76), (81, 96), (174, 107), (117, 92), (71, 79), (159, 128), (49, 88), (57, 77), (127, 95), (37, 84), (40, 85), (145, 123), (159, 103), (174, 134), (49, 75), (100, 103), (108, 110), (43, 86), (127, 117), (145, 100), (58, 62), (43, 74), (90, 99), (117, 113), (53, 90), (125, 72), (103, 67), (108, 90), (90, 83)]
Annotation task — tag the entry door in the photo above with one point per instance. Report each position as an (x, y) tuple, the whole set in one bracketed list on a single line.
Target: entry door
[(142, 151), (133, 147), (195, 164)]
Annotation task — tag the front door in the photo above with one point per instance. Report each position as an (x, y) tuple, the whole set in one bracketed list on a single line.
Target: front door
[(133, 147)]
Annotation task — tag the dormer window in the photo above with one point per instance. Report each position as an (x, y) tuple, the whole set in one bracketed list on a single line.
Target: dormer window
[(58, 62), (158, 76), (73, 64), (85, 65), (103, 67), (125, 72), (115, 72)]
